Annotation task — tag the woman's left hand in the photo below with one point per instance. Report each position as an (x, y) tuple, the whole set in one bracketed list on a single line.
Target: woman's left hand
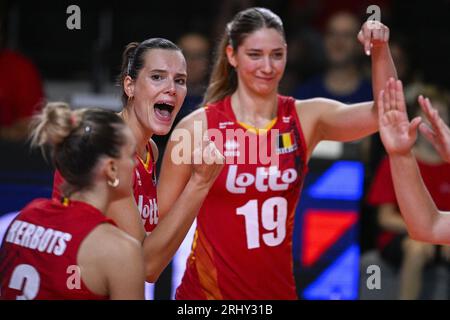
[(372, 34)]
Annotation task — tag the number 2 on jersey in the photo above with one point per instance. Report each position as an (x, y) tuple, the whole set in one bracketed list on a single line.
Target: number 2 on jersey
[(25, 278), (276, 228)]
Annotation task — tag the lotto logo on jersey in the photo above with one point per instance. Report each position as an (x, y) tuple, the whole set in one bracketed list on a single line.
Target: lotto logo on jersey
[(266, 178), (149, 210), (286, 143)]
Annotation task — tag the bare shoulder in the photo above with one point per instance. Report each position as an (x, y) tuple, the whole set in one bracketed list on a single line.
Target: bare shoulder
[(309, 110), (104, 248), (189, 122), (109, 258), (117, 237), (115, 243)]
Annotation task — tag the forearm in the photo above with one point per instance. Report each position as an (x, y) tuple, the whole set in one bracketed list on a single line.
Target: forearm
[(383, 68), (416, 205), (126, 215), (164, 241)]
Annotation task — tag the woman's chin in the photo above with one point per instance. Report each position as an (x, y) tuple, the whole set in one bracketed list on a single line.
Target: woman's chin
[(161, 129), (263, 90)]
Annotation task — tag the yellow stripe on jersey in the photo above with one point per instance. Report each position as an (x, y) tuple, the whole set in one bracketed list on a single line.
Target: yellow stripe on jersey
[(194, 243), (287, 140), (65, 202), (147, 161), (206, 270), (258, 130)]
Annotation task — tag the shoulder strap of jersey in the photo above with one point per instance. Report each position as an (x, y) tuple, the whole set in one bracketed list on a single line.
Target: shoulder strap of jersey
[(217, 112), (289, 110)]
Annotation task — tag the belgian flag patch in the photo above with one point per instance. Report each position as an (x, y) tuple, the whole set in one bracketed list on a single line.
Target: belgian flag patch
[(286, 143)]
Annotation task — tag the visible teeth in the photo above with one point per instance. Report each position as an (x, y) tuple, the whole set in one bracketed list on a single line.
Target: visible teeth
[(167, 103)]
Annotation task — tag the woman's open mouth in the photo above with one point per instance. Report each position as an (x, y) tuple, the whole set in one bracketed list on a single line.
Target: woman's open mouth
[(163, 111)]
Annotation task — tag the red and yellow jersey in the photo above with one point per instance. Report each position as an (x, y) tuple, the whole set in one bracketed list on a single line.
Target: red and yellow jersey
[(38, 257), (242, 246), (144, 189)]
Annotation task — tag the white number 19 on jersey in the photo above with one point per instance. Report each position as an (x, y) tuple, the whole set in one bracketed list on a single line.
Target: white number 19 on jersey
[(276, 228)]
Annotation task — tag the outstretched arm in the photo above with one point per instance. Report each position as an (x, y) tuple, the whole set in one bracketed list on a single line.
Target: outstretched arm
[(374, 36), (324, 119), (423, 219)]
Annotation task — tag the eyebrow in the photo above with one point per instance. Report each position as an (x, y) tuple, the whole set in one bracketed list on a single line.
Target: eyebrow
[(165, 71), (259, 50)]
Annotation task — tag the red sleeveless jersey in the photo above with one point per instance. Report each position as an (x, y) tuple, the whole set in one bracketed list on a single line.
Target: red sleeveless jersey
[(38, 258), (242, 247), (144, 189)]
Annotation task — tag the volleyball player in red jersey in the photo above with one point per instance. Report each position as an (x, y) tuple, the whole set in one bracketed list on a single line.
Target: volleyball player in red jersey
[(51, 249), (242, 247), (153, 79)]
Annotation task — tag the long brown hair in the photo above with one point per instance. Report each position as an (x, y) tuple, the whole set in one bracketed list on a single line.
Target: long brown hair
[(223, 81)]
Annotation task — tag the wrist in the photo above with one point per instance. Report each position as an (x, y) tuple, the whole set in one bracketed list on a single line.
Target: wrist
[(380, 49), (401, 156)]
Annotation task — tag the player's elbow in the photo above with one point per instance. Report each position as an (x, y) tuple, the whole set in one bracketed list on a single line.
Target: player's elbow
[(152, 273), (433, 232), (421, 235), (151, 279), (417, 236), (151, 276)]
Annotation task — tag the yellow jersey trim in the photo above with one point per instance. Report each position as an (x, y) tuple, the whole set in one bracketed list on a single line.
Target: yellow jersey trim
[(258, 130), (147, 161)]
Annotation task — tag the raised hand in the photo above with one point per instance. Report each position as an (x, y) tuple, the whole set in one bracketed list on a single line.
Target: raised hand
[(373, 34), (439, 133), (207, 163), (397, 133)]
